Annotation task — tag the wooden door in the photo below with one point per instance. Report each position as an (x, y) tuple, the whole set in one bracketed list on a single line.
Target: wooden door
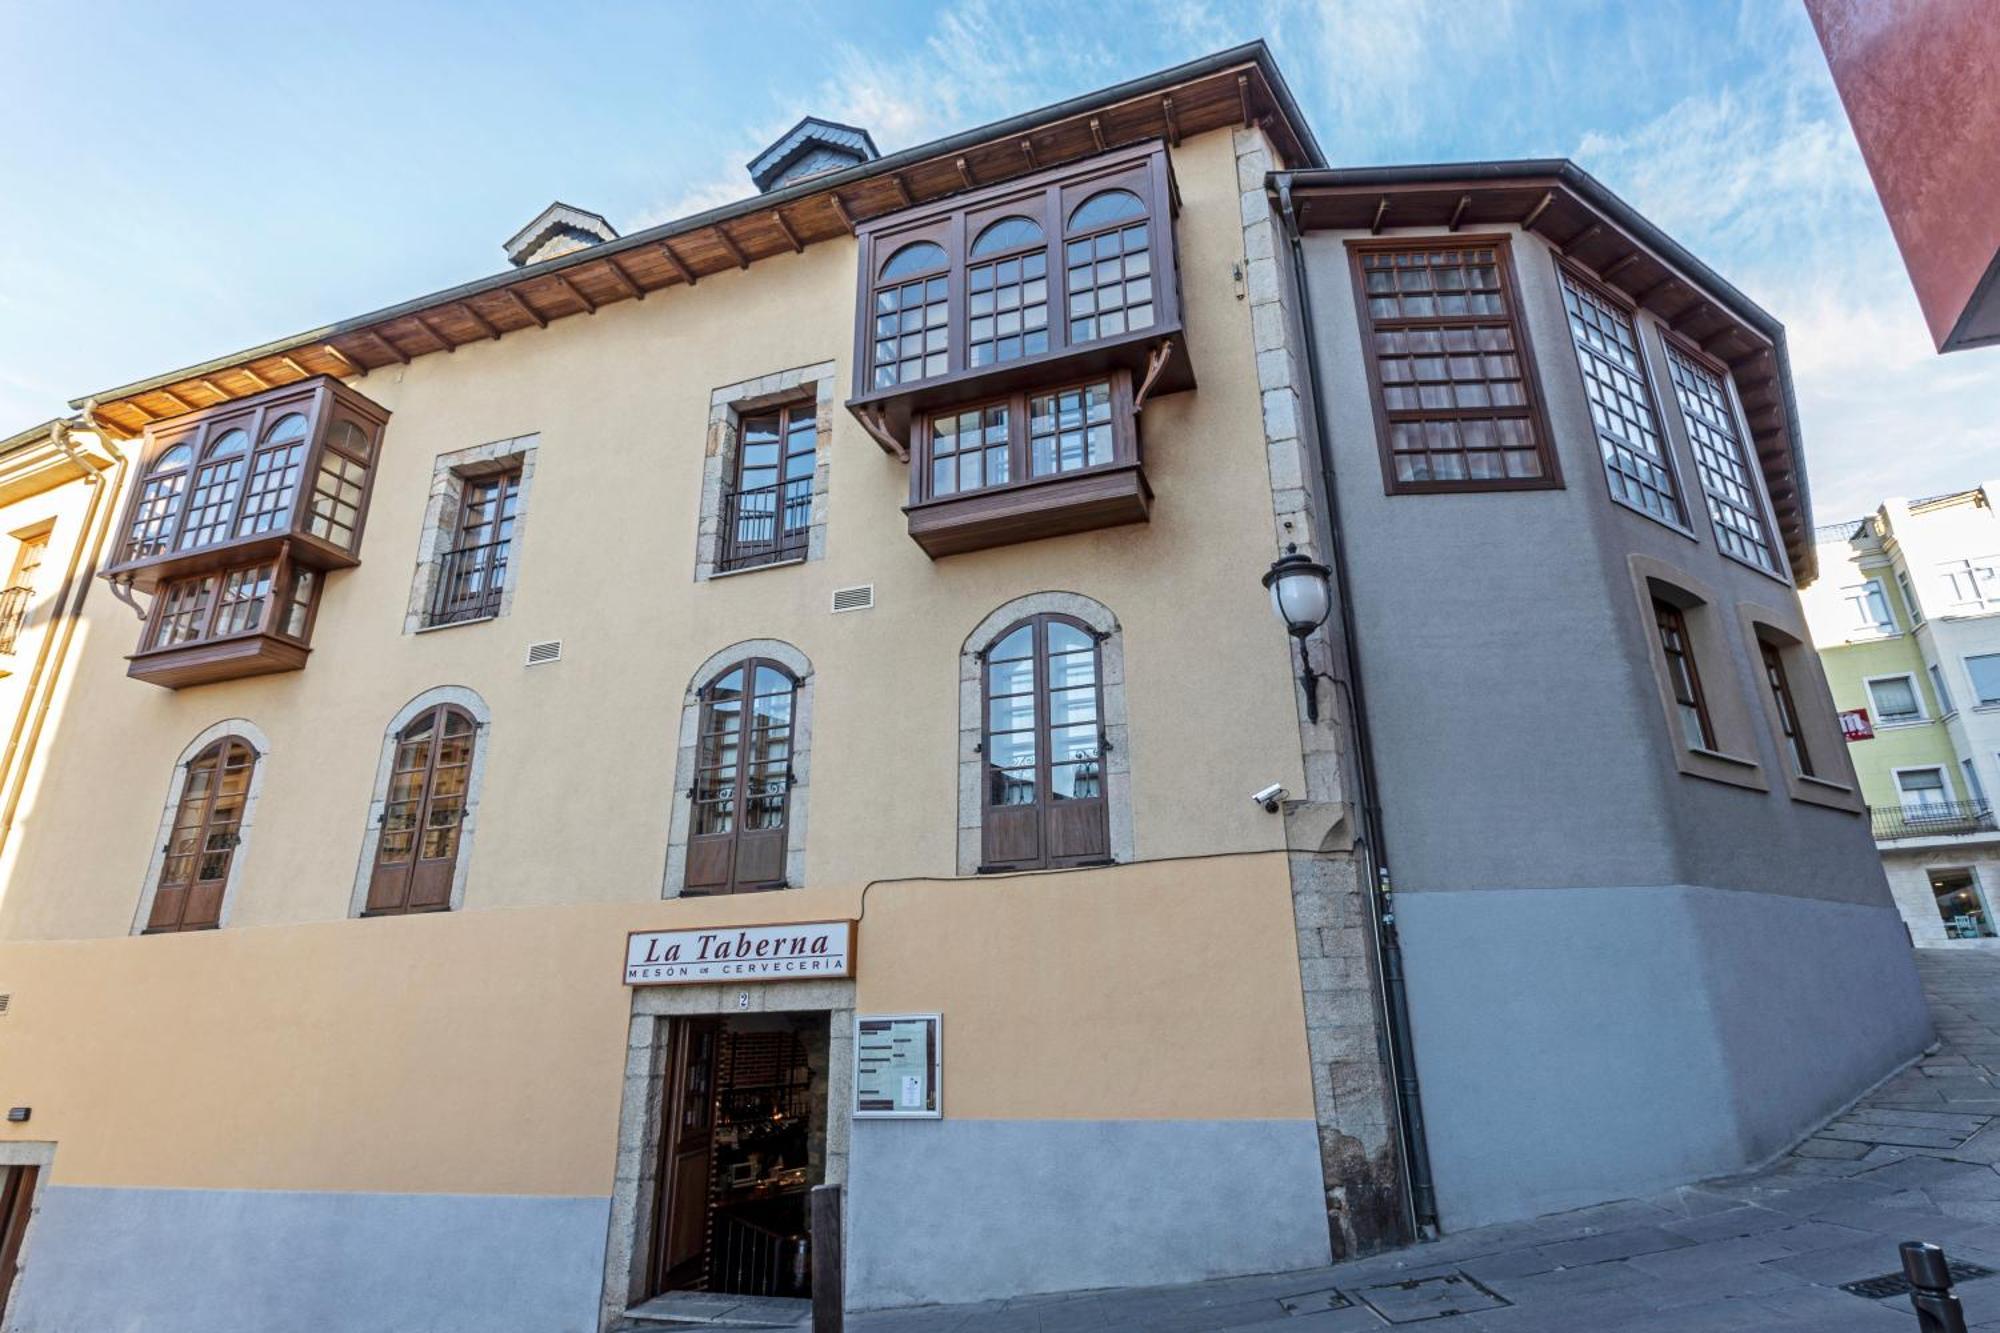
[(424, 813), (741, 820), (687, 1146), (1043, 748), (17, 1200), (769, 516), (202, 844)]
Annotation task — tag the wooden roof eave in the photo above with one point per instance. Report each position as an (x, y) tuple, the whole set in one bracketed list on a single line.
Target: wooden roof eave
[(1165, 104)]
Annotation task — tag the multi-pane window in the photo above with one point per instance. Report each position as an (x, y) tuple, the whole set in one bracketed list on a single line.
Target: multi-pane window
[(20, 588), (244, 593), (1973, 583), (274, 476), (768, 517), (473, 573), (216, 483), (423, 814), (911, 315), (341, 486), (1007, 298), (970, 450), (1734, 507), (1784, 707), (1985, 673), (1923, 791), (1868, 608), (1445, 352), (159, 501), (1938, 689), (1070, 430), (182, 615), (1683, 677), (743, 780), (299, 603), (1910, 602), (1621, 403), (202, 842), (1043, 797), (1025, 437), (1108, 267), (1895, 699)]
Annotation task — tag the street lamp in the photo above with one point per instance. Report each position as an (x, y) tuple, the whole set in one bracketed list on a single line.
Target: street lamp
[(1301, 596)]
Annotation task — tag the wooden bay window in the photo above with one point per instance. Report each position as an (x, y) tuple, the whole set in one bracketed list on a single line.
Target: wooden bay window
[(240, 512)]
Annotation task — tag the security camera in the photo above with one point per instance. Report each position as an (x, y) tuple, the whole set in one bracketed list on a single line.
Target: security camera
[(1270, 796)]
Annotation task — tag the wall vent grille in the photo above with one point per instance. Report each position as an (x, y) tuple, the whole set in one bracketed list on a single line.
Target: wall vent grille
[(858, 598), (541, 654), (3, 1002)]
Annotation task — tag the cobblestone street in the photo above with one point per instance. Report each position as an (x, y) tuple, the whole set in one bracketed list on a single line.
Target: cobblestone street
[(1918, 1159)]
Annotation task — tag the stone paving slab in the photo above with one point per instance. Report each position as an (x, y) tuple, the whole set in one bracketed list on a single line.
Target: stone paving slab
[(1918, 1159)]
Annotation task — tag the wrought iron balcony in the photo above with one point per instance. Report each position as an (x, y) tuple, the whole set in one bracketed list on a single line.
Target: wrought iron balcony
[(13, 611), (766, 525), (469, 584), (1942, 819)]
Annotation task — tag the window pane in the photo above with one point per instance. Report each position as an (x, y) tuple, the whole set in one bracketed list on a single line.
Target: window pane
[(1621, 406), (1895, 698), (1985, 673)]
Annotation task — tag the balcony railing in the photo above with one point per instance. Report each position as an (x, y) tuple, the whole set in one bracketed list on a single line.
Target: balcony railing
[(13, 611), (766, 525), (1942, 819), (469, 584)]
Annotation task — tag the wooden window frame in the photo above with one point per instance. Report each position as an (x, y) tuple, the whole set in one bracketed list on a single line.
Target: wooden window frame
[(375, 902), (1535, 410), (1676, 646), (734, 883), (1831, 783), (1791, 726), (1569, 271), (442, 608), (1675, 345), (1041, 729), (1125, 449), (169, 909), (791, 495)]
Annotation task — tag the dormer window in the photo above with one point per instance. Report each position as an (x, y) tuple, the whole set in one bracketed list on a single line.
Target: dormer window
[(230, 538)]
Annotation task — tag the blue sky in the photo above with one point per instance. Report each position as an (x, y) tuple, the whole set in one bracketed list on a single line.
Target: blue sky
[(188, 180)]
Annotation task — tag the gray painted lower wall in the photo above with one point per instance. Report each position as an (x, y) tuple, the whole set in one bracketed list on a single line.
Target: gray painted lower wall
[(1578, 1045), (250, 1261), (963, 1210)]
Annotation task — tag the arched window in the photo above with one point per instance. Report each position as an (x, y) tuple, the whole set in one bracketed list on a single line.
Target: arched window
[(1007, 298), (742, 790), (215, 485), (274, 476), (1107, 253), (1043, 743), (423, 813), (910, 331), (153, 516), (201, 841)]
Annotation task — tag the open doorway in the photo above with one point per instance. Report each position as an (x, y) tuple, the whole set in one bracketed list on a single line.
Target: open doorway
[(743, 1140), (1962, 905)]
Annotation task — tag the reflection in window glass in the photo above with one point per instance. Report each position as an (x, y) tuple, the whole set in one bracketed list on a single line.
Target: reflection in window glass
[(1069, 430), (969, 450), (1621, 407)]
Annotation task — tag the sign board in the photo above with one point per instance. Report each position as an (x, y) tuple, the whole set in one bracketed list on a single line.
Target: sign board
[(896, 1065), (1855, 726), (801, 951)]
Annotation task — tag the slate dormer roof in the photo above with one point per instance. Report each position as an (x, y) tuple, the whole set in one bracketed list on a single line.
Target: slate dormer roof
[(808, 148), (557, 230)]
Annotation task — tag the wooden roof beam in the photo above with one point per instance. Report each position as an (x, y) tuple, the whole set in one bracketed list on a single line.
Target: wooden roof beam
[(965, 172), (1583, 237), (840, 210), (729, 244), (1689, 315), (1618, 265), (1535, 213), (263, 383), (295, 367), (798, 246), (1243, 98), (589, 305), (624, 279), (1173, 125), (484, 325), (1028, 151), (379, 336), (902, 188), (1458, 212), (353, 367), (687, 274), (222, 395), (1097, 133), (540, 320), (174, 398), (435, 333), (1381, 208)]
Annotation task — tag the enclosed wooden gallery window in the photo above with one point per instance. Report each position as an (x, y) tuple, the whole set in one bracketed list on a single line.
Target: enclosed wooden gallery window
[(1784, 708), (1683, 677), (1043, 803), (1735, 507), (201, 843), (472, 573), (767, 515), (743, 781), (1636, 464), (911, 315), (423, 814), (1454, 384)]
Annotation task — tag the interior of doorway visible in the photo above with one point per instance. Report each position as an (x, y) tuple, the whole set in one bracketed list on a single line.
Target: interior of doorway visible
[(742, 1143), (17, 1201), (1962, 905)]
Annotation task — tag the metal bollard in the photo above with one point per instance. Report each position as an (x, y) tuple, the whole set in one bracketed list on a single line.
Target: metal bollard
[(1938, 1310)]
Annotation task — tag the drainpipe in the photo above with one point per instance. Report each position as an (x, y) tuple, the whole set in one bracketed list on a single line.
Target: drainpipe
[(1375, 856), (39, 696)]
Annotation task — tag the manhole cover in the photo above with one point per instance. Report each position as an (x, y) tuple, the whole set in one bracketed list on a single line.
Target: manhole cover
[(1895, 1284), (1424, 1298), (1314, 1301)]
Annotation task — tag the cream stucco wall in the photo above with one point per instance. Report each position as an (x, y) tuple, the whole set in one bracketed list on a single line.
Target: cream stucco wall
[(580, 766)]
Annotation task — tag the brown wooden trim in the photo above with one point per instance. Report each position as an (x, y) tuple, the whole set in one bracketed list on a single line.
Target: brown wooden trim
[(432, 329), (680, 267), (1535, 410), (1042, 729), (728, 243), (840, 211), (263, 384), (343, 358), (791, 237), (589, 306), (480, 321), (381, 336), (520, 303), (295, 367), (624, 280)]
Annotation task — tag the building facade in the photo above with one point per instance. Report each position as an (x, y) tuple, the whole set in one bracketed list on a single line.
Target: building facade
[(552, 772), (1908, 624)]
